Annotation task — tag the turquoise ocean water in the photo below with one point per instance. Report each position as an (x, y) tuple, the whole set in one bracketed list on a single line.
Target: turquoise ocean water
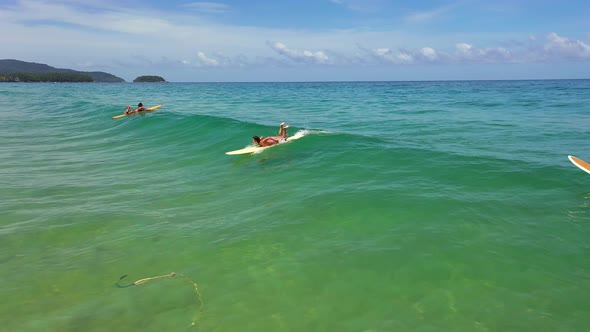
[(407, 206)]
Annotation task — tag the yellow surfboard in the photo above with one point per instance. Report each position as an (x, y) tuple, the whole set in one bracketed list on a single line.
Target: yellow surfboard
[(584, 166), (146, 110)]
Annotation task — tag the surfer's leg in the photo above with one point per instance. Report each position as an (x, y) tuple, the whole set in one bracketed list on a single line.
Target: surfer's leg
[(283, 130)]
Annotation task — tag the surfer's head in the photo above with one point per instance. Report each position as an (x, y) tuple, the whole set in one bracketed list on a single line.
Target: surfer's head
[(256, 140), (140, 105)]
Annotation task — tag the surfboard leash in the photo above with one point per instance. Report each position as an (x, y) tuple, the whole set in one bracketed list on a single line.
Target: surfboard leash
[(170, 275)]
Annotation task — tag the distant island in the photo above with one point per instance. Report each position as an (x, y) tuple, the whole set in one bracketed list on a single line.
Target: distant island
[(149, 79), (21, 71)]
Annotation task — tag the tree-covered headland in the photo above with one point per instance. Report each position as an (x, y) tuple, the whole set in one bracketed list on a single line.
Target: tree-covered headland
[(48, 77)]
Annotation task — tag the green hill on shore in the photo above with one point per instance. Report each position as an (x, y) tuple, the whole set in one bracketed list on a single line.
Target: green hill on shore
[(22, 71)]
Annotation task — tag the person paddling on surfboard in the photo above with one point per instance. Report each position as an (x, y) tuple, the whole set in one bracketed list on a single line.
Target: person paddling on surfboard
[(272, 140), (137, 110)]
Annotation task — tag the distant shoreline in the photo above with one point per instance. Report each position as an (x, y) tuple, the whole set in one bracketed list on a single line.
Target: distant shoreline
[(327, 82)]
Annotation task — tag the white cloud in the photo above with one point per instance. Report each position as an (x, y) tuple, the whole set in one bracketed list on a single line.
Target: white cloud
[(565, 47), (207, 7), (305, 56), (429, 53), (389, 56), (469, 53), (405, 58), (425, 55), (206, 60), (92, 16), (429, 15), (554, 49), (464, 53), (381, 51), (464, 48)]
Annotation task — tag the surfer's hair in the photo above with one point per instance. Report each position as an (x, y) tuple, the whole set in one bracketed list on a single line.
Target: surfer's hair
[(256, 138), (140, 105)]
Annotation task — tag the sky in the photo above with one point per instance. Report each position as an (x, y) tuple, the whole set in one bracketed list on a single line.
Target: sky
[(303, 40)]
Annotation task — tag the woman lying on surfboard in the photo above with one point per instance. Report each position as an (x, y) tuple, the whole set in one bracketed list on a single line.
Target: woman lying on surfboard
[(272, 140), (137, 110)]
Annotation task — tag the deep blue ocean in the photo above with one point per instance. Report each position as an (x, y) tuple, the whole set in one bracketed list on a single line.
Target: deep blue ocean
[(406, 206)]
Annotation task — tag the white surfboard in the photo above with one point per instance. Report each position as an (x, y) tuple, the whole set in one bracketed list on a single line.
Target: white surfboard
[(257, 149), (584, 166)]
